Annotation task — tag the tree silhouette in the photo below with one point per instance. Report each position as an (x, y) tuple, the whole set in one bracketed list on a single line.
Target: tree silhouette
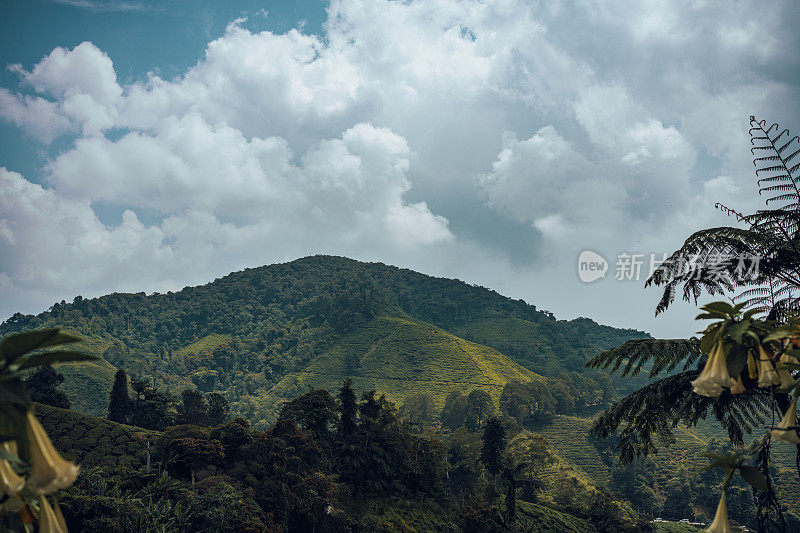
[(315, 410), (479, 407), (512, 476), (347, 407), (43, 386), (454, 411), (218, 409), (193, 408), (418, 410), (494, 445), (151, 408), (119, 402)]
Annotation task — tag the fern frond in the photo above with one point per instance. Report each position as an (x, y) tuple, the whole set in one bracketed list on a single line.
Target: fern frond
[(772, 188), (782, 177), (783, 197), (654, 410), (774, 145), (663, 355), (772, 237)]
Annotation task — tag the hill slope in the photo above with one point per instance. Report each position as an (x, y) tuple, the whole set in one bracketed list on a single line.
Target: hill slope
[(255, 335), (93, 441), (401, 357)]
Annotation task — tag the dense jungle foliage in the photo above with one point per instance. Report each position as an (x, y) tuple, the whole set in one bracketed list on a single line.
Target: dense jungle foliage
[(371, 466), (328, 464)]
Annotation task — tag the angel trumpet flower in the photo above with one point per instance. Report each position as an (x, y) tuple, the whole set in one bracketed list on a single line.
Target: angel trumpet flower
[(60, 517), (714, 375), (720, 523), (10, 482), (767, 375), (737, 387), (49, 471), (787, 381), (50, 521), (752, 366), (789, 420)]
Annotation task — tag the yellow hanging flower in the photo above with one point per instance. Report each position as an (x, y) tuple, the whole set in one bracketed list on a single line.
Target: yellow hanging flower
[(787, 381), (50, 521), (10, 482), (714, 375), (720, 523), (752, 367), (789, 420), (59, 516), (49, 471), (767, 375), (737, 387)]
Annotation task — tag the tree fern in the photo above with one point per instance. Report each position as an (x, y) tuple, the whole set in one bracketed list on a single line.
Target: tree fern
[(768, 244)]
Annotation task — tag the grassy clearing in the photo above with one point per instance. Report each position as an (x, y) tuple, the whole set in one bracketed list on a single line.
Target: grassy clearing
[(533, 518), (568, 436), (783, 459), (565, 486), (87, 384), (205, 345), (393, 515), (674, 527)]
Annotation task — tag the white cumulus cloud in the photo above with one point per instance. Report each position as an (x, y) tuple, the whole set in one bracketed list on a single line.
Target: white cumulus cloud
[(423, 133)]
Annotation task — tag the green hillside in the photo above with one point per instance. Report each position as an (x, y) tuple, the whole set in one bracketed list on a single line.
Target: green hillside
[(265, 334), (93, 441), (401, 357), (569, 436), (564, 486), (87, 385)]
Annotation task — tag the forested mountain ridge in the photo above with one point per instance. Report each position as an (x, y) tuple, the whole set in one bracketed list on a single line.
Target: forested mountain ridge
[(245, 333)]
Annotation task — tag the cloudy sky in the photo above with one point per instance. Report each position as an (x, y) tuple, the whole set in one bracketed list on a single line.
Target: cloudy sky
[(149, 145)]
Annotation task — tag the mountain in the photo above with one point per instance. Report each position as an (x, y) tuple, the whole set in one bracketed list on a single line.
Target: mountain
[(264, 335)]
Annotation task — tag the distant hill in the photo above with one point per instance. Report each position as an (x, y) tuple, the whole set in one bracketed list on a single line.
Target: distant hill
[(266, 334)]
